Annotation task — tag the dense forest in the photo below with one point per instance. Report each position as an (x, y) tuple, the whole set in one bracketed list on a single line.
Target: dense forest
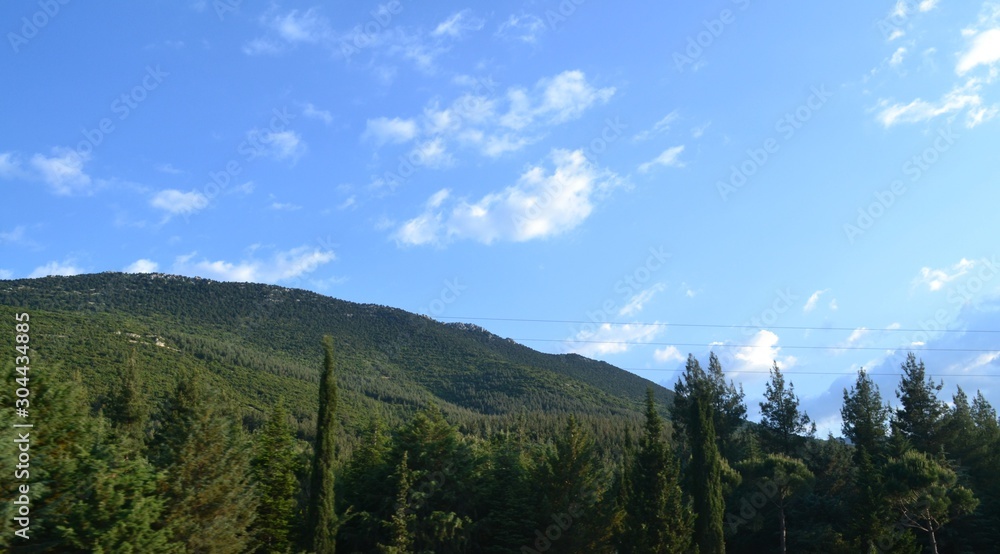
[(179, 415)]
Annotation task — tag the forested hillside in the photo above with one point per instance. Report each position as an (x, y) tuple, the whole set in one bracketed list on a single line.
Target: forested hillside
[(183, 415), (261, 342)]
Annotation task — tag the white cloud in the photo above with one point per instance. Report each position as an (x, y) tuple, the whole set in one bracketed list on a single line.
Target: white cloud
[(638, 301), (813, 299), (660, 126), (175, 202), (927, 5), (263, 46), (568, 95), (857, 335), (982, 360), (285, 206), (961, 97), (308, 27), (667, 158), (456, 25), (523, 27), (476, 119), (698, 131), (142, 266), (610, 339), (897, 56), (55, 268), (313, 112), (63, 171), (10, 166), (833, 304), (668, 354), (936, 279), (395, 130), (984, 50), (760, 354), (432, 154), (278, 145), (538, 206), (282, 266), (6, 274), (169, 169), (14, 236)]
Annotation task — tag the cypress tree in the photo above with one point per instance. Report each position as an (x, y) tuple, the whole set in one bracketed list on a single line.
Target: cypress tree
[(657, 521), (706, 482), (322, 515)]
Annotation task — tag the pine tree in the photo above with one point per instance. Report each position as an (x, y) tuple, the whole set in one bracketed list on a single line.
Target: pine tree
[(322, 516), (657, 521), (274, 469), (864, 415), (781, 479), (572, 492), (208, 489), (919, 418), (129, 409), (706, 483), (926, 493), (781, 422)]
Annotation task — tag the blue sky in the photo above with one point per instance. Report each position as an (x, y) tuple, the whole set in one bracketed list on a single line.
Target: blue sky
[(779, 177)]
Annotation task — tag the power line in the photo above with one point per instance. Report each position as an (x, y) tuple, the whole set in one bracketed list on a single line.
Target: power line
[(716, 326), (811, 347), (793, 373)]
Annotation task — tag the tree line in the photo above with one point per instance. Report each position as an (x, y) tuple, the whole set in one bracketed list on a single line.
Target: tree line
[(186, 475)]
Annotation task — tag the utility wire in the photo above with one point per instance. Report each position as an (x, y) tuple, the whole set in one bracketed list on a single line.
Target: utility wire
[(716, 326), (811, 347)]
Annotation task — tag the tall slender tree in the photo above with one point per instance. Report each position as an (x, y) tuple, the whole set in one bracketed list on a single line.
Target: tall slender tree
[(322, 515), (706, 482), (657, 520)]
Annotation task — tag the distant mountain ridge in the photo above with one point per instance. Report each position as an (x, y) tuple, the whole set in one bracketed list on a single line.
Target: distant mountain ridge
[(262, 342)]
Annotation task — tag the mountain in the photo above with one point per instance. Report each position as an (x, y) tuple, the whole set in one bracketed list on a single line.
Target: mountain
[(261, 343)]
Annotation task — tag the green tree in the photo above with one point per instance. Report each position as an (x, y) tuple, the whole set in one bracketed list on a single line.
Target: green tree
[(400, 526), (706, 472), (781, 421), (322, 516), (208, 489), (442, 497), (657, 520), (274, 469), (926, 493), (865, 417), (919, 418), (725, 401), (572, 487), (129, 409), (782, 479)]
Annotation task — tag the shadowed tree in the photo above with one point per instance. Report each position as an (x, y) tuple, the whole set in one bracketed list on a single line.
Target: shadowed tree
[(706, 482), (656, 520), (322, 518)]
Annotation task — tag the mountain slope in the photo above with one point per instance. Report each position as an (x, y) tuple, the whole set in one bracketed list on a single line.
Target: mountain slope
[(262, 342)]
